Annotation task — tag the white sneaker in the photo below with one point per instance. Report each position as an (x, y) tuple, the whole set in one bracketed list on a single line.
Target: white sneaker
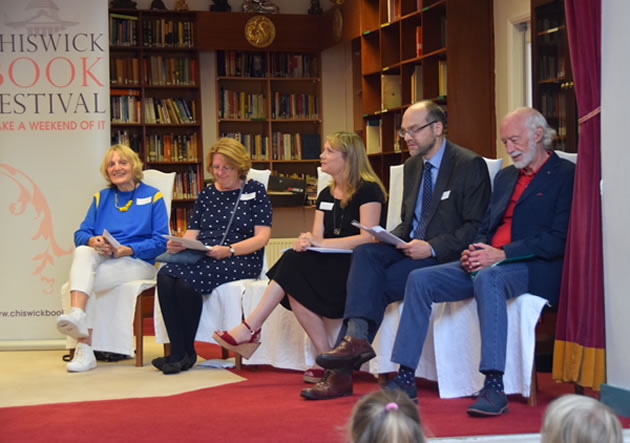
[(83, 360), (73, 324)]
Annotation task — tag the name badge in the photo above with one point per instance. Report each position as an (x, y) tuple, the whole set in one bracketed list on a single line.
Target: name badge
[(249, 196), (143, 201), (446, 195), (326, 206)]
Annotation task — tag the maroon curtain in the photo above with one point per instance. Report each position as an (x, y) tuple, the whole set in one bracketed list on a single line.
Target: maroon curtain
[(579, 351)]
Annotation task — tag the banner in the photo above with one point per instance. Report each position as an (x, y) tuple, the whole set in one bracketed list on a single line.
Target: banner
[(54, 130)]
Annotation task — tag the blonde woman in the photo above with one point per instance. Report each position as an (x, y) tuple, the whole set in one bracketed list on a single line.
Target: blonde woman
[(312, 284)]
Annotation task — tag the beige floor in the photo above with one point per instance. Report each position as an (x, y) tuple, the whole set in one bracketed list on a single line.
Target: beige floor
[(40, 377)]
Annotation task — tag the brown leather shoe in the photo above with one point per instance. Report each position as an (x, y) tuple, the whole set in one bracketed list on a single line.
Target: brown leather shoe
[(332, 385), (350, 353)]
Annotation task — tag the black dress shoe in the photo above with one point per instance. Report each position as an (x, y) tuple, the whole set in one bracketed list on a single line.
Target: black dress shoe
[(174, 367), (159, 362), (332, 385), (350, 353)]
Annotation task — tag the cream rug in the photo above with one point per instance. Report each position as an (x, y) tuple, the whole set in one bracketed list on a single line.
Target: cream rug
[(40, 377)]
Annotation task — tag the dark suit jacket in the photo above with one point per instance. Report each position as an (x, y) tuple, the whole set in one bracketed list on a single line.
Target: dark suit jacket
[(452, 221), (539, 224)]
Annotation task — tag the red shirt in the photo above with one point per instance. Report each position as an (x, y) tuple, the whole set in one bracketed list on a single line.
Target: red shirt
[(503, 235)]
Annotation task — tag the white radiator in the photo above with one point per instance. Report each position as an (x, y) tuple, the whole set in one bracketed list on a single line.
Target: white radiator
[(274, 249)]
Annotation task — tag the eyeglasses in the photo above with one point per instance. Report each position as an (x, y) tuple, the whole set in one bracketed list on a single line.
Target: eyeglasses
[(413, 131), (222, 168)]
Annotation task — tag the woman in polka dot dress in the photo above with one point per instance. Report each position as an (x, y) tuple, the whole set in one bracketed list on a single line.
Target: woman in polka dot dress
[(239, 256)]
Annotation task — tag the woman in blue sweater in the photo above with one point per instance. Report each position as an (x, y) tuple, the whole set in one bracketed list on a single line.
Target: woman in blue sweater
[(135, 216)]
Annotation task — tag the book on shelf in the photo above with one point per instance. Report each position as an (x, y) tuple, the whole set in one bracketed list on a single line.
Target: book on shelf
[(311, 146), (373, 136), (390, 91), (416, 84), (418, 41), (392, 10), (442, 78)]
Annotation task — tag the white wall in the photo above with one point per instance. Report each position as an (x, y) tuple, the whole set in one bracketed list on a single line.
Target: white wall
[(507, 59), (337, 89), (615, 205)]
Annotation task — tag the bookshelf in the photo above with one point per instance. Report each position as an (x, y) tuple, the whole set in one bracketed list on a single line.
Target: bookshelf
[(553, 90), (271, 102), (411, 50), (155, 97)]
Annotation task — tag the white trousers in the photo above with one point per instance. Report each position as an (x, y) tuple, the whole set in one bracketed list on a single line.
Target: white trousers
[(112, 286)]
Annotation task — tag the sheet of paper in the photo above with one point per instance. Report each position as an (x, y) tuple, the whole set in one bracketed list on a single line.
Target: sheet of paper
[(330, 250), (380, 234), (110, 239), (188, 243)]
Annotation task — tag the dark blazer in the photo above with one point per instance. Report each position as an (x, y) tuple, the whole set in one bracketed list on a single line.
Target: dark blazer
[(539, 224), (452, 221)]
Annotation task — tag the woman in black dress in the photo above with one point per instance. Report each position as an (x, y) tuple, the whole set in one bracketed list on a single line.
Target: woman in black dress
[(313, 284), (235, 253)]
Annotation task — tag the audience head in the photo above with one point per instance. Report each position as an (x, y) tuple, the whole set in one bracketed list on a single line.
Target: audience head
[(357, 166), (422, 128), (385, 417), (526, 136), (234, 154), (580, 419), (126, 153)]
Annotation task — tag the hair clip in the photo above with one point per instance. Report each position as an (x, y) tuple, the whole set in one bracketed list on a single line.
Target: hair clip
[(390, 406)]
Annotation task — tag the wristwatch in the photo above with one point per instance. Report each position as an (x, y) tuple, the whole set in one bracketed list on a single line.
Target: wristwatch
[(232, 251)]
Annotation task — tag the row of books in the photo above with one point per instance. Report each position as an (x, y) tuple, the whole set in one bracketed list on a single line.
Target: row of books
[(171, 148), (294, 106), (124, 71), (256, 144), (240, 64), (125, 108), (169, 110), (187, 184), (123, 30), (552, 66), (123, 137), (170, 71), (241, 105), (293, 65), (179, 220), (295, 146), (167, 33)]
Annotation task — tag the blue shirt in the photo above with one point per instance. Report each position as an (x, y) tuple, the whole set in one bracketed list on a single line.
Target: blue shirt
[(141, 227), (435, 161)]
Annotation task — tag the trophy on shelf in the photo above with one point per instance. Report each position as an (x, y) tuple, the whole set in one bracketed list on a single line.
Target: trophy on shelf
[(315, 8), (220, 6), (181, 5), (260, 6)]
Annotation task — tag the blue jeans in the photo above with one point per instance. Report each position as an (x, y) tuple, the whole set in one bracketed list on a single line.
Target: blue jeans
[(377, 277), (449, 282)]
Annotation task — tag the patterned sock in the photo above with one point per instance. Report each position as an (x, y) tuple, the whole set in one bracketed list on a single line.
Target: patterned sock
[(406, 376), (357, 328), (494, 380)]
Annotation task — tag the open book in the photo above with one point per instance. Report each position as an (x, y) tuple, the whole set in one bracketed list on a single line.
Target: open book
[(188, 243), (110, 239), (380, 234)]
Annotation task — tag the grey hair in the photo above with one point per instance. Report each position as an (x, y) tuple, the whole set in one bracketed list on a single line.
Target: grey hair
[(536, 119)]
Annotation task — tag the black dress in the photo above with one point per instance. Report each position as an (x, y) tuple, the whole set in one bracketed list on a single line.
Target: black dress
[(317, 280)]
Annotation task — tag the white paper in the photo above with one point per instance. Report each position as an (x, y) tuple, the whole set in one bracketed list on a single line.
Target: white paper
[(218, 363), (380, 234), (110, 239), (188, 243), (325, 250)]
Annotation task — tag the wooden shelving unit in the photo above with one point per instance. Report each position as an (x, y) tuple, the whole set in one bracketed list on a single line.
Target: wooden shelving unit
[(155, 97), (453, 67), (553, 90), (271, 102)]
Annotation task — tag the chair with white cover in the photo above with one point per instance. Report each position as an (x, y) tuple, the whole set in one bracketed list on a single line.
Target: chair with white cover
[(221, 309), (129, 300), (323, 179), (494, 165)]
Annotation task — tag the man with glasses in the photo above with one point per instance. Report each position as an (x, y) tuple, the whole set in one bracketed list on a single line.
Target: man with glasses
[(446, 189)]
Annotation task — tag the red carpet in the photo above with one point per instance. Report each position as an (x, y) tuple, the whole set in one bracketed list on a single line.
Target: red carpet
[(267, 407)]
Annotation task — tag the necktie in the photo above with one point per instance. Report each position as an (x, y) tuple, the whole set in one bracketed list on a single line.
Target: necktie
[(427, 193)]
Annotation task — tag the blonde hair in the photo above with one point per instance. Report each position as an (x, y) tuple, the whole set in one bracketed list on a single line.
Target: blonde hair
[(234, 153), (580, 419), (357, 167), (385, 417), (128, 154)]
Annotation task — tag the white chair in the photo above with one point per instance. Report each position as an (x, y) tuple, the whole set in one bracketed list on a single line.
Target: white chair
[(128, 298), (572, 157), (222, 309), (395, 198), (323, 179), (494, 165)]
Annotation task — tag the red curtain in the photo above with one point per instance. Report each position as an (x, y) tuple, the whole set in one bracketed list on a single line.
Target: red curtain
[(579, 350)]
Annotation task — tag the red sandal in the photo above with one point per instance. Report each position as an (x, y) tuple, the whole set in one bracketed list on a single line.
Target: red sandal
[(245, 349)]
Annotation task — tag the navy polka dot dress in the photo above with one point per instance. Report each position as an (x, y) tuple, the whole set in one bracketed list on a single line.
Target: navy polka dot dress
[(210, 216)]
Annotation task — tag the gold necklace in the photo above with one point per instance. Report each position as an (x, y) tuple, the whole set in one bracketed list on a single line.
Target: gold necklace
[(129, 203)]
